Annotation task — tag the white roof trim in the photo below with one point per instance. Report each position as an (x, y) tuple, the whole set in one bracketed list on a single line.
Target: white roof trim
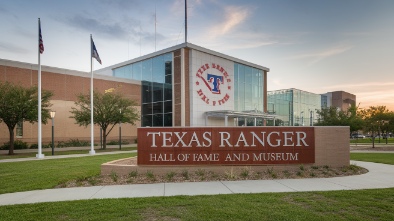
[(176, 47)]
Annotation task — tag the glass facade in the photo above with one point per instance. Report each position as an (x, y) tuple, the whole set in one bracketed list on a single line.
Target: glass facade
[(248, 92), (294, 107), (248, 88), (155, 75), (324, 101)]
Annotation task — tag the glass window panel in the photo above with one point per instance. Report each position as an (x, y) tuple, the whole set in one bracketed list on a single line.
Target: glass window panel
[(167, 106), (146, 92), (157, 92), (137, 71), (168, 72), (167, 57), (248, 75), (157, 120), (147, 109), (241, 74), (157, 107), (147, 70), (147, 120), (158, 69), (168, 120), (167, 92)]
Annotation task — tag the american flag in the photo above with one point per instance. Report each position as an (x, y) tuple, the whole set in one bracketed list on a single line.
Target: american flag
[(41, 43), (95, 53)]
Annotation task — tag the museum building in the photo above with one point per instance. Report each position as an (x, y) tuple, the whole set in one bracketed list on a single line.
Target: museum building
[(181, 86), (188, 85)]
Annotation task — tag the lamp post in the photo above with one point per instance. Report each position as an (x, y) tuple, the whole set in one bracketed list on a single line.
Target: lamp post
[(302, 118), (120, 131), (53, 131)]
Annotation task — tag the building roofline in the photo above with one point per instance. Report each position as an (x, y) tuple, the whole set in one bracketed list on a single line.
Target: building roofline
[(179, 46), (291, 89), (18, 64)]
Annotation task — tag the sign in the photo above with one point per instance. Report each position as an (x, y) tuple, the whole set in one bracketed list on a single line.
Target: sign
[(213, 84), (225, 145)]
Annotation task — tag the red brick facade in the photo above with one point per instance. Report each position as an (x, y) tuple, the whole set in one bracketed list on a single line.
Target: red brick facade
[(66, 85)]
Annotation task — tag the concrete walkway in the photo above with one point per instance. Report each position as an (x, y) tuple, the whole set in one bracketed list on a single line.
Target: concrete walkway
[(379, 176), (49, 157)]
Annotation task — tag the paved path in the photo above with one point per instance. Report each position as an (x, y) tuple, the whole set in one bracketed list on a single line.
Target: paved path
[(379, 176), (63, 156)]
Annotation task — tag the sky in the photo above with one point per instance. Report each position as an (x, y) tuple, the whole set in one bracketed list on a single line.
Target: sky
[(317, 46)]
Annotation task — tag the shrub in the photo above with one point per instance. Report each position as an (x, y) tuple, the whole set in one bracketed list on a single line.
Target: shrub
[(116, 142), (114, 176), (170, 175), (185, 174), (18, 145), (150, 175), (244, 173), (35, 146), (133, 173), (73, 143)]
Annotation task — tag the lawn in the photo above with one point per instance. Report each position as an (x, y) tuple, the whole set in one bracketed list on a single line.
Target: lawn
[(332, 205), (368, 140), (375, 204), (46, 174), (387, 158)]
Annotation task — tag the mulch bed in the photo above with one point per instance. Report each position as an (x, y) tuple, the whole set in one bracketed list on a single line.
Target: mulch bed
[(247, 173)]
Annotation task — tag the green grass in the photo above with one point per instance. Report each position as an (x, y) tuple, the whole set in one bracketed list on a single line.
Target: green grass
[(375, 204), (46, 174), (332, 205), (48, 152), (368, 140), (387, 158)]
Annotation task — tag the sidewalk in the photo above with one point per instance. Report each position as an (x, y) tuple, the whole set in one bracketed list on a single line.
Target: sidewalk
[(48, 155), (379, 176), (59, 149)]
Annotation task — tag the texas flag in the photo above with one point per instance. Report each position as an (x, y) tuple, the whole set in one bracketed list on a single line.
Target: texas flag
[(95, 53)]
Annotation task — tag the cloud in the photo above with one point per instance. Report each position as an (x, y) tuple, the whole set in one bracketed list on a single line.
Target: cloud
[(318, 56), (362, 85), (369, 93), (178, 7), (112, 29), (12, 48), (123, 4), (233, 17)]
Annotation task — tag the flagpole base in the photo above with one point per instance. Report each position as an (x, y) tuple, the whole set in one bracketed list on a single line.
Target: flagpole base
[(92, 152), (40, 156)]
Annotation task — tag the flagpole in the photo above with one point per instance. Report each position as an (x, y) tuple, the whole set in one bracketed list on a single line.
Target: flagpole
[(39, 154), (91, 152)]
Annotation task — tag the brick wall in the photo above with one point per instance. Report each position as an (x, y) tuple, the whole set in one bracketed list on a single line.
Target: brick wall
[(66, 85)]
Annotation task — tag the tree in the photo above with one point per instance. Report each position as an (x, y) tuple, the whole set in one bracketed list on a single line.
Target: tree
[(375, 119), (333, 117), (109, 109), (21, 104)]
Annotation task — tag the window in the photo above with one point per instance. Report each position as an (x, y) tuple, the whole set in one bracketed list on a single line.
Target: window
[(157, 91), (248, 88), (19, 129)]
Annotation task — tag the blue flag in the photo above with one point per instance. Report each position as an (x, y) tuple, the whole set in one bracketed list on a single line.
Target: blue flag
[(95, 53)]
